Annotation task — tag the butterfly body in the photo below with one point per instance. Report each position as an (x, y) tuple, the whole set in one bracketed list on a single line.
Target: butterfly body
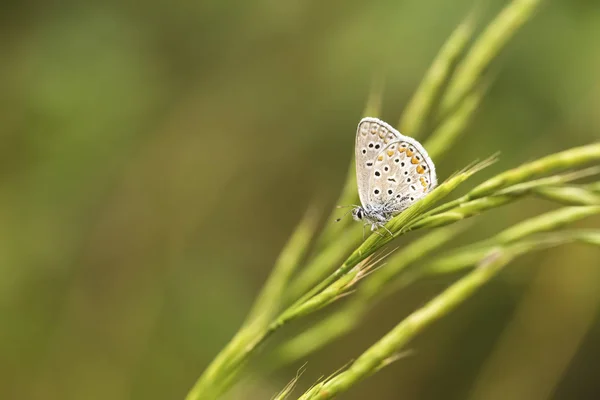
[(393, 171), (375, 215)]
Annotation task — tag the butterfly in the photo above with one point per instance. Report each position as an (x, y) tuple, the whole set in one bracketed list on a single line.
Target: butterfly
[(393, 171)]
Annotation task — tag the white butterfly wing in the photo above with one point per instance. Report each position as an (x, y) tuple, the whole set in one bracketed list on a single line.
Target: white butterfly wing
[(372, 136), (402, 173)]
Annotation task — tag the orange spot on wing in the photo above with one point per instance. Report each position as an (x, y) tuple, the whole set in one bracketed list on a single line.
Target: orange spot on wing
[(420, 170), (401, 149), (414, 160), (409, 153), (390, 153), (380, 158)]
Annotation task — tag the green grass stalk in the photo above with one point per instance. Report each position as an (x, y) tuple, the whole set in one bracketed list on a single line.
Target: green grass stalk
[(568, 159), (387, 347), (485, 49), (421, 105)]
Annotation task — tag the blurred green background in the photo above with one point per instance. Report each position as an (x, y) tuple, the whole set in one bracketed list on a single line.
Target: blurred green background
[(155, 156)]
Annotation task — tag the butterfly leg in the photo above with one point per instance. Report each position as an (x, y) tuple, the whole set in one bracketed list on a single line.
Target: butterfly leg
[(377, 233), (388, 231), (374, 228)]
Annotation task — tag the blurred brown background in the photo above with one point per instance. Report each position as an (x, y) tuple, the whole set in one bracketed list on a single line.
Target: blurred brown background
[(155, 156)]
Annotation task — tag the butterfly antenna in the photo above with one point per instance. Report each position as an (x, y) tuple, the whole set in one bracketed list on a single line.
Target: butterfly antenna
[(346, 213), (352, 206)]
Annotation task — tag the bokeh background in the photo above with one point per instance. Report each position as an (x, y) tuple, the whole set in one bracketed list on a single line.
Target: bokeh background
[(155, 156)]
